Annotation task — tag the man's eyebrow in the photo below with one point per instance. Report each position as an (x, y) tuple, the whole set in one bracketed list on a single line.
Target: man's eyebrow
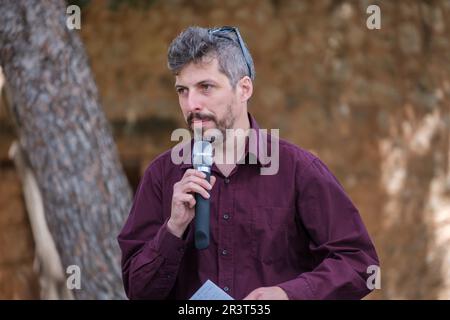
[(209, 81), (206, 81)]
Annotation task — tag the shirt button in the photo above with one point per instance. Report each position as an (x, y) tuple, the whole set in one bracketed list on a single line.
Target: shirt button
[(227, 181), (226, 217), (224, 252), (226, 289)]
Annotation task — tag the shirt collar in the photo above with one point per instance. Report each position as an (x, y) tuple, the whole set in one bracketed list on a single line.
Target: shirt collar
[(259, 139)]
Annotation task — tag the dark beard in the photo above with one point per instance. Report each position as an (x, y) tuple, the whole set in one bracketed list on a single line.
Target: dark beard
[(222, 125)]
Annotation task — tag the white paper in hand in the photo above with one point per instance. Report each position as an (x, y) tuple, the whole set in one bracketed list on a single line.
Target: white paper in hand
[(210, 291)]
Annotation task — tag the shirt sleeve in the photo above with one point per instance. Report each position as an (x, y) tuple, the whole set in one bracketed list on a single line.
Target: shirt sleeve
[(151, 255), (339, 241)]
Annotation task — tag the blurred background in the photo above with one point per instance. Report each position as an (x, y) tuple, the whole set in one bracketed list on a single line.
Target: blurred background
[(372, 104)]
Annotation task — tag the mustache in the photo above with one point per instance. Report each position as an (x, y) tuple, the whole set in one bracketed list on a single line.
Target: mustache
[(198, 116)]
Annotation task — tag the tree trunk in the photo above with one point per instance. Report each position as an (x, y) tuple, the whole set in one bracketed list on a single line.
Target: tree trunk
[(67, 141)]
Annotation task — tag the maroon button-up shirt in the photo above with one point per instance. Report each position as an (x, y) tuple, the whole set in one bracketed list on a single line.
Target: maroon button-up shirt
[(296, 229)]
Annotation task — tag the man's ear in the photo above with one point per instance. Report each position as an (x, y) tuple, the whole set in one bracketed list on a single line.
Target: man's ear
[(245, 88)]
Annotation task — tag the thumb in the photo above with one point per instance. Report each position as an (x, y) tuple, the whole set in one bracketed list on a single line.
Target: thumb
[(251, 296)]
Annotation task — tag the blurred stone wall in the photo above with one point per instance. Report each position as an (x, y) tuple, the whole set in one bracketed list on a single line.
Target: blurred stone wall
[(373, 104)]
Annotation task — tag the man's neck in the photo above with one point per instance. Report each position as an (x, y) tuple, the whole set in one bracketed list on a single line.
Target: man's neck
[(232, 149)]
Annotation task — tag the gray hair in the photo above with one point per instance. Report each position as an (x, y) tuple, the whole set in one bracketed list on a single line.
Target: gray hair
[(196, 43)]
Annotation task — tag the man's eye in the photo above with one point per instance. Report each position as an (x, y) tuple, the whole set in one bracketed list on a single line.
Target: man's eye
[(181, 90), (206, 87)]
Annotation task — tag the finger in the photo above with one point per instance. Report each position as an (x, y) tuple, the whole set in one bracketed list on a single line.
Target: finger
[(200, 181), (188, 199), (193, 172), (193, 187)]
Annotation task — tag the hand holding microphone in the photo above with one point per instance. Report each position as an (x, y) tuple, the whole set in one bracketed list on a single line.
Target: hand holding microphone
[(184, 202), (202, 159)]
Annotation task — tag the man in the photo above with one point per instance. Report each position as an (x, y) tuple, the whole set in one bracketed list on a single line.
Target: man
[(290, 235)]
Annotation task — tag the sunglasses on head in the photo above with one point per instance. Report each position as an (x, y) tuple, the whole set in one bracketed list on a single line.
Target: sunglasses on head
[(222, 33)]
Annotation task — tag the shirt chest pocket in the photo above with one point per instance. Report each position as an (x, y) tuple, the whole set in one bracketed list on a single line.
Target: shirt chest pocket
[(270, 233)]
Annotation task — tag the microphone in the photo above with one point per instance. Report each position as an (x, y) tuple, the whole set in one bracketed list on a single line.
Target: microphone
[(202, 159)]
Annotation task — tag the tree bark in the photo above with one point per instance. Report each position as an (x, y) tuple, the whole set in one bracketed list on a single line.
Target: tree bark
[(67, 140)]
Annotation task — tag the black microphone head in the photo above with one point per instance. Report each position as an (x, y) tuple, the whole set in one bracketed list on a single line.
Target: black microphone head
[(202, 154)]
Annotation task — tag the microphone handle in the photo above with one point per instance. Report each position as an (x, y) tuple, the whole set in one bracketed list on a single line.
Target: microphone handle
[(202, 219)]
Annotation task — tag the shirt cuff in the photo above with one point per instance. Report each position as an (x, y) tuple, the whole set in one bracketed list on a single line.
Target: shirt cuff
[(298, 289), (168, 245)]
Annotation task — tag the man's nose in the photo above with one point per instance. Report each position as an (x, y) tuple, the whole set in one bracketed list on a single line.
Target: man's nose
[(193, 102)]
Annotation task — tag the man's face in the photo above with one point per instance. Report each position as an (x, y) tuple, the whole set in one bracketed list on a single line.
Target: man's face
[(207, 98)]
